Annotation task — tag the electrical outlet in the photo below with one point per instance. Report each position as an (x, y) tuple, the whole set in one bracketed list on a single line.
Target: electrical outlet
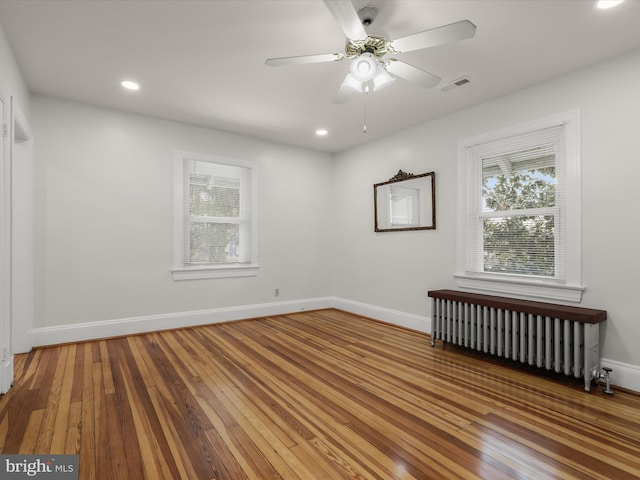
[(276, 293)]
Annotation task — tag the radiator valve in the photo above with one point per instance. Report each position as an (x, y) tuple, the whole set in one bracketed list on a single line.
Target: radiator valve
[(603, 375)]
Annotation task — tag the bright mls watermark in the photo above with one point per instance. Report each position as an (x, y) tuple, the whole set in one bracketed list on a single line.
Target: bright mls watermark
[(51, 467)]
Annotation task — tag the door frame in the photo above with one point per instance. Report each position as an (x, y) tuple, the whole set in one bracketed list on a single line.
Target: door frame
[(6, 351)]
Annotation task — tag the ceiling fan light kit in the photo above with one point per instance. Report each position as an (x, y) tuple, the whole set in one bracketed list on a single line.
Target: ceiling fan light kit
[(363, 68), (367, 74), (369, 69), (382, 78), (351, 83)]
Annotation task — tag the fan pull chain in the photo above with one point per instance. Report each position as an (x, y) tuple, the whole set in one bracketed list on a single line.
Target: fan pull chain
[(364, 110), (364, 120)]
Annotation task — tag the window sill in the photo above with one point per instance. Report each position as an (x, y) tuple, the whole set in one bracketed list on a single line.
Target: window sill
[(522, 288), (198, 273)]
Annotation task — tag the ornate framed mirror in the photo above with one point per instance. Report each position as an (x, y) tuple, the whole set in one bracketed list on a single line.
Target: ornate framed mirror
[(405, 202)]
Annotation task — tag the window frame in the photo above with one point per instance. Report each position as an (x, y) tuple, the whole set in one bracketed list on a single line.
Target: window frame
[(568, 285), (182, 271)]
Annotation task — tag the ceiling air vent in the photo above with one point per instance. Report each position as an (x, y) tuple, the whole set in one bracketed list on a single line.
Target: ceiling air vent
[(458, 82)]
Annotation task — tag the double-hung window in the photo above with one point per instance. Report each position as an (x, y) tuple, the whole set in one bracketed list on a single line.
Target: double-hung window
[(519, 210), (215, 217)]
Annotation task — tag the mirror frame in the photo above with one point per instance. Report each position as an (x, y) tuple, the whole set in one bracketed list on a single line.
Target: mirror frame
[(398, 179)]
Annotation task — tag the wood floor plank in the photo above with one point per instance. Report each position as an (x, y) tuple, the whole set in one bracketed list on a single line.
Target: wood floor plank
[(179, 455), (60, 412), (87, 451), (121, 413), (225, 409), (322, 395), (4, 430), (31, 432), (74, 428), (154, 450)]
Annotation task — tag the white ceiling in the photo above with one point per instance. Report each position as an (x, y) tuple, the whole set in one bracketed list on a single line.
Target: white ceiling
[(202, 62)]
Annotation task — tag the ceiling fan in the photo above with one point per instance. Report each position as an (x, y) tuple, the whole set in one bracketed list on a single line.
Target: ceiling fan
[(370, 70)]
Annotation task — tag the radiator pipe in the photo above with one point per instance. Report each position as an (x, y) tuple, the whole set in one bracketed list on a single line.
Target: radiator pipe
[(603, 376)]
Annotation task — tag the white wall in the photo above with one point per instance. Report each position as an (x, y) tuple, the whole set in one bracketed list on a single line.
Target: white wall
[(394, 270), (104, 221)]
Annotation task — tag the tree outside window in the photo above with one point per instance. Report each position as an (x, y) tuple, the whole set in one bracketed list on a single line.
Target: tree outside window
[(214, 220), (519, 236)]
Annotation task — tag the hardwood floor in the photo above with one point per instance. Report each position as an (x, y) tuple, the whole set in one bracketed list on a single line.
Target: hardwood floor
[(321, 395)]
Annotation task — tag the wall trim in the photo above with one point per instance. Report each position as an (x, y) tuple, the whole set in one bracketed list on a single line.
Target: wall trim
[(151, 323), (624, 375), (420, 323), (79, 332), (521, 289)]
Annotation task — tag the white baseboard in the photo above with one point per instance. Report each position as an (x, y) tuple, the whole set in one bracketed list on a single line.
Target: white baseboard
[(623, 375), (421, 323), (151, 323)]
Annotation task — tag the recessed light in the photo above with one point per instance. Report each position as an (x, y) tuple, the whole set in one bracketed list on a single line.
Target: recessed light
[(604, 4), (321, 132), (129, 85)]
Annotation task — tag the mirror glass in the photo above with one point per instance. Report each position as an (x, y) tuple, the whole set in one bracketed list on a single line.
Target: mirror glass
[(405, 202)]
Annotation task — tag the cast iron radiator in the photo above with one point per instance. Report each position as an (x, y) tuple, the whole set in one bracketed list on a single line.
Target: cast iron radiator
[(551, 336)]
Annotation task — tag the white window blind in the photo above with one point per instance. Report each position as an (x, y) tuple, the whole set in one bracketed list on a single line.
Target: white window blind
[(516, 216), (217, 213), (215, 217)]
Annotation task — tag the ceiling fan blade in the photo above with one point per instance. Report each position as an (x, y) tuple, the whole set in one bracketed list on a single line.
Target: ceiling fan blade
[(302, 59), (413, 74), (347, 18), (435, 36)]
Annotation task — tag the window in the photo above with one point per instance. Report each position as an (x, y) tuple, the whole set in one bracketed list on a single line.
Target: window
[(215, 218), (519, 210)]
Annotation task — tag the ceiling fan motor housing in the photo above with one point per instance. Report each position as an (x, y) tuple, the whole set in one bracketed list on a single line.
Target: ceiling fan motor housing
[(376, 46), (376, 43), (367, 15)]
